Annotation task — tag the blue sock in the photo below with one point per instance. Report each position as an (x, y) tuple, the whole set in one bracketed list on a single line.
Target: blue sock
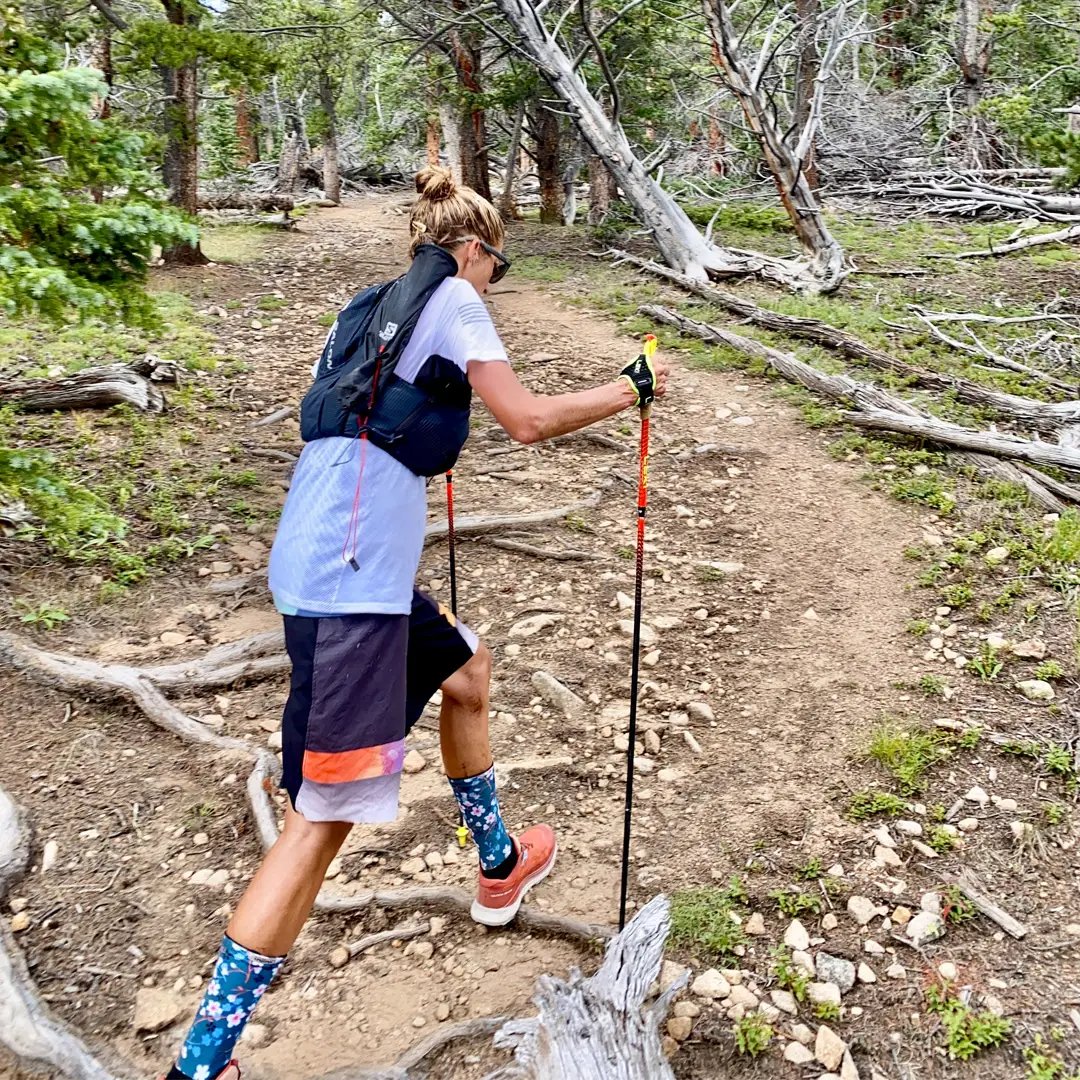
[(479, 803), (240, 979)]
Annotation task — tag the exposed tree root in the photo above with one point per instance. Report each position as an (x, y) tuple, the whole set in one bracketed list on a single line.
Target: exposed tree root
[(465, 526)]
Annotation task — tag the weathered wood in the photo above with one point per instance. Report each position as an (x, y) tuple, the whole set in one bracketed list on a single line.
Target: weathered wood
[(595, 1028), (1060, 236), (465, 526), (1041, 415), (91, 388), (881, 410), (340, 956), (246, 200), (969, 885), (558, 554)]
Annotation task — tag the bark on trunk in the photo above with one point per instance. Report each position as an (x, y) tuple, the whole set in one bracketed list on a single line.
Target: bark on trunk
[(182, 127), (807, 13), (508, 200), (472, 124), (452, 137), (288, 163), (331, 166), (680, 243), (92, 388), (245, 133), (974, 48), (103, 61), (600, 193), (786, 159), (548, 165)]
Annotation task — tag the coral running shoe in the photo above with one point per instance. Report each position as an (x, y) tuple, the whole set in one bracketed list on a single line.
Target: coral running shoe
[(497, 901)]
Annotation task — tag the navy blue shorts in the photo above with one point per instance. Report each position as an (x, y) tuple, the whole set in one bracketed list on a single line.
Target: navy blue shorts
[(359, 683)]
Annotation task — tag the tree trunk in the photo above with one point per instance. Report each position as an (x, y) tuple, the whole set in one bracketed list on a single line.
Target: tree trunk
[(681, 245), (599, 190), (717, 147), (548, 165), (103, 61), (808, 66), (182, 127), (245, 134), (288, 163), (452, 136), (974, 48), (508, 200), (267, 128), (786, 162), (466, 46), (331, 166)]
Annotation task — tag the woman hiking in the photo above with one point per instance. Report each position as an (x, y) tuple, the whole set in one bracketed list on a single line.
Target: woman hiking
[(388, 409)]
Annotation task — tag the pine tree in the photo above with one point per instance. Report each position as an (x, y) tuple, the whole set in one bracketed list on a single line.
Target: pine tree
[(78, 213)]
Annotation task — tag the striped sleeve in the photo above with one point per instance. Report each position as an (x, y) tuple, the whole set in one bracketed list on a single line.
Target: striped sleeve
[(474, 334)]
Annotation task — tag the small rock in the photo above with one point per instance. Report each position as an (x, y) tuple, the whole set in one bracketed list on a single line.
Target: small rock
[(434, 860), (1010, 806), (872, 947), (810, 615), (1031, 649), (798, 1054), (273, 740), (173, 637), (741, 995), (531, 626), (156, 1009), (333, 870), (947, 970), (803, 960), (413, 866), (996, 556), (622, 602), (711, 984), (679, 1027), (255, 1036), (1036, 690), (419, 1021), (835, 969), (861, 909), (687, 1008), (884, 856), (424, 950), (49, 855), (796, 936), (924, 928), (670, 974), (784, 1000), (668, 776), (901, 915), (896, 971), (668, 1046), (829, 921), (865, 974), (803, 1034), (562, 696), (823, 992), (700, 711), (829, 1048), (414, 762), (436, 925), (755, 925), (20, 921), (695, 746), (847, 1067), (977, 795), (908, 828), (884, 837), (652, 742), (644, 765), (968, 824), (442, 1011)]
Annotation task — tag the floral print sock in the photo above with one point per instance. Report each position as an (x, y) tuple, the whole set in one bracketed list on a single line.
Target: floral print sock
[(479, 803), (240, 979)]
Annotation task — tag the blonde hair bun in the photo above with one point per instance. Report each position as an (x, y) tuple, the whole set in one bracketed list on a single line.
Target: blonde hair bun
[(436, 184)]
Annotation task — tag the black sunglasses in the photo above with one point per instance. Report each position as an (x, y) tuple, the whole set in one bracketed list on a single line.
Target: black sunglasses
[(502, 263)]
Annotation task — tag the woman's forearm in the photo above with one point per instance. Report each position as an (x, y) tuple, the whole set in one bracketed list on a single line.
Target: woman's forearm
[(559, 414)]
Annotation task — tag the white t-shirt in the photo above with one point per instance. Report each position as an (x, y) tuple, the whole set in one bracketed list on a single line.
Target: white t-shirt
[(309, 562)]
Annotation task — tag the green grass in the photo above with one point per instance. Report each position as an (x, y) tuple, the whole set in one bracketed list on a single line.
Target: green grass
[(867, 804), (542, 268), (701, 920), (795, 902), (236, 244), (906, 752)]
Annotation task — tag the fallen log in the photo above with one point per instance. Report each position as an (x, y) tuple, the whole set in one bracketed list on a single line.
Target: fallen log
[(1061, 236), (970, 887), (245, 200), (877, 408), (481, 523), (596, 1028), (1040, 415), (91, 388)]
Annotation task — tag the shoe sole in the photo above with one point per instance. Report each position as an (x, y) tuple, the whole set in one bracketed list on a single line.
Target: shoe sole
[(486, 916)]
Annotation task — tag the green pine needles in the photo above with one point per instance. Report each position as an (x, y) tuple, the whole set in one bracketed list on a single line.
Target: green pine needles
[(79, 216)]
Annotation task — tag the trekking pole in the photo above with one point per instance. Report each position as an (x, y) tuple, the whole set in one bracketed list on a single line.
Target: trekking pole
[(648, 348), (462, 831)]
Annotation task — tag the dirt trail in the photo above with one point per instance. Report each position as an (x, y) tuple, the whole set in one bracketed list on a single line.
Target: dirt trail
[(794, 652)]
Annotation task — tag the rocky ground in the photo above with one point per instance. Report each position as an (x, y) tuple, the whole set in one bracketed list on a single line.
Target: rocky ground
[(778, 604)]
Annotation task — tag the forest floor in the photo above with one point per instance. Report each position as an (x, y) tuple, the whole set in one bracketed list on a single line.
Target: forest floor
[(787, 715)]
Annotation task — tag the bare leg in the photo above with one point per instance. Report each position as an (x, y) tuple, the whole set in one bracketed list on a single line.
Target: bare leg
[(279, 899), (463, 719)]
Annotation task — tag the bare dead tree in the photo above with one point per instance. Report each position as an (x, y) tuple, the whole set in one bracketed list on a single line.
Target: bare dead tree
[(787, 155), (974, 48), (682, 246)]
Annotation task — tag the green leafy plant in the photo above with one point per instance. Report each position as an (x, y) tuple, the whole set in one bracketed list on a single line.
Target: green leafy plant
[(788, 975), (810, 870), (1049, 669), (1059, 760), (827, 1011), (957, 908), (918, 627), (966, 1031), (986, 663), (44, 615), (794, 902), (867, 804), (933, 685), (942, 840), (1043, 1064), (957, 595), (701, 919), (906, 753), (1055, 814), (753, 1033)]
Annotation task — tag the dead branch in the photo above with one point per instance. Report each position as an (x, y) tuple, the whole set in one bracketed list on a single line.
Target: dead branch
[(344, 953), (967, 883), (558, 554), (243, 200), (91, 388), (879, 409), (595, 1028), (1040, 415), (276, 416), (466, 526), (1062, 236), (447, 898)]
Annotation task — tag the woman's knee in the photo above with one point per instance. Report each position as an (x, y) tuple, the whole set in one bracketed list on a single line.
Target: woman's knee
[(468, 686), (321, 836)]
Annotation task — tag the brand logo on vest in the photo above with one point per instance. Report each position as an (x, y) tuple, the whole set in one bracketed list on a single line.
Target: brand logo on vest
[(388, 331)]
